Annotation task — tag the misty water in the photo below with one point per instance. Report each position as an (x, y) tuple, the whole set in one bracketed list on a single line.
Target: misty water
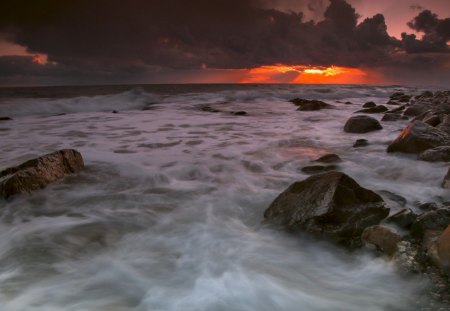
[(168, 214)]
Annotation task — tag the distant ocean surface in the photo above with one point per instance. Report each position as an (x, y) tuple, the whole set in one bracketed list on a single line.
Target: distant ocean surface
[(168, 214)]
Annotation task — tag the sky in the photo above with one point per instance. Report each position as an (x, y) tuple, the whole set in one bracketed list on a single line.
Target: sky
[(79, 42)]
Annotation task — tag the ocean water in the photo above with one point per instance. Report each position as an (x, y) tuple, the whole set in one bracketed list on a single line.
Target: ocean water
[(168, 214)]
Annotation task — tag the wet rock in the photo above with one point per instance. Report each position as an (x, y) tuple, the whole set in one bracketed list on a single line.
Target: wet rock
[(329, 158), (405, 257), (404, 219), (38, 173), (360, 143), (393, 117), (310, 105), (316, 169), (416, 110), (369, 105), (418, 137), (440, 250), (432, 120), (436, 154), (362, 124), (376, 109), (348, 103), (5, 119), (330, 205), (446, 181), (393, 103), (398, 109), (393, 197), (424, 95), (429, 206), (240, 113), (385, 239), (429, 225)]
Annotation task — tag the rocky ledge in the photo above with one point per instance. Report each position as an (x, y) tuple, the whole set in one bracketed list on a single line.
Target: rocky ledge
[(38, 173)]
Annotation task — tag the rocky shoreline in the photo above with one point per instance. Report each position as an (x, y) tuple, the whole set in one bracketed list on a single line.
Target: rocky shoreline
[(331, 205)]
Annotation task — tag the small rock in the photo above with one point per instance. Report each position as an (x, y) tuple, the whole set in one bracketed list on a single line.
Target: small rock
[(429, 206), (329, 158), (115, 111), (5, 119), (393, 117), (310, 105), (383, 238), (240, 113), (360, 143), (398, 109), (348, 103), (209, 109), (369, 105), (362, 124)]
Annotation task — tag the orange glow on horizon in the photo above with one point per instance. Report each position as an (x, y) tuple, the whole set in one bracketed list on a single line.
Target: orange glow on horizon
[(309, 75), (39, 59)]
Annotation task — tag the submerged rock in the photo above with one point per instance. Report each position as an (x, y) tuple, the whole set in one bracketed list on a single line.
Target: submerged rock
[(376, 109), (360, 143), (38, 173), (418, 137), (362, 124), (310, 105), (331, 205), (385, 239), (436, 154), (329, 158)]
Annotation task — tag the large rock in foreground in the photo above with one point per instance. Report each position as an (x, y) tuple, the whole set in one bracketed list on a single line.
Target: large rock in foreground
[(362, 124), (38, 173), (330, 205), (417, 137)]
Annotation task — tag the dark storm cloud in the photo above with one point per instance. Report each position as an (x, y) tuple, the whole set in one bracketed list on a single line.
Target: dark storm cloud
[(116, 35)]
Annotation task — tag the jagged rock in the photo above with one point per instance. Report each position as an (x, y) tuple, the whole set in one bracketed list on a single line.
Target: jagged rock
[(376, 109), (331, 205), (38, 173), (383, 238), (310, 105), (316, 169), (369, 105), (360, 143), (329, 158), (446, 181), (362, 124), (418, 137), (404, 219), (436, 154)]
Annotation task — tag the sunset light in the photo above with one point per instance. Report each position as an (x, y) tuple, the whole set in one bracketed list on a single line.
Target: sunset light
[(308, 74)]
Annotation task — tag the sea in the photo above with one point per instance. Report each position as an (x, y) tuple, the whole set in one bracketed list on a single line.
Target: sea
[(168, 213)]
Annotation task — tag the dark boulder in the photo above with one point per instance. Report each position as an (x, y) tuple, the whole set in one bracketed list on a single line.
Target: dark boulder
[(316, 169), (310, 105), (416, 110), (376, 109), (424, 95), (441, 153), (431, 223), (432, 120), (404, 219), (362, 124), (5, 119), (369, 105), (418, 137), (361, 143), (331, 205), (38, 173), (329, 158)]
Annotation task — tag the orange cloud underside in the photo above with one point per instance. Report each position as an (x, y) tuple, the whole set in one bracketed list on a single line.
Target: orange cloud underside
[(309, 75)]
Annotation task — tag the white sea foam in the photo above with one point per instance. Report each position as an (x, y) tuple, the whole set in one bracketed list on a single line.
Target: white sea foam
[(168, 213)]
